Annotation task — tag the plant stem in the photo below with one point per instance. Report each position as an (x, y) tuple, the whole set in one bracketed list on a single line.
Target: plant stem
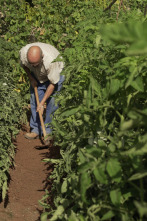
[(119, 9), (145, 10), (141, 191), (109, 7)]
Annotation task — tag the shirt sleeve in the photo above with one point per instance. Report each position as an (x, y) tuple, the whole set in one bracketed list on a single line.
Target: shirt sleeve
[(54, 72), (22, 55)]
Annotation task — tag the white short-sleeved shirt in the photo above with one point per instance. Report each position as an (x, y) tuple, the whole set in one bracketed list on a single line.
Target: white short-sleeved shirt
[(46, 70)]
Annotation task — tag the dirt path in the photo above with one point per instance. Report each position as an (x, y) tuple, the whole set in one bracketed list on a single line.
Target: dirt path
[(29, 179)]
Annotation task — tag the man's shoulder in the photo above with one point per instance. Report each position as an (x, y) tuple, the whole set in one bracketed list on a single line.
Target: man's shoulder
[(47, 47)]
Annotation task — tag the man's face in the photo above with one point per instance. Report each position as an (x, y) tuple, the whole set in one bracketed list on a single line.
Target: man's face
[(36, 64)]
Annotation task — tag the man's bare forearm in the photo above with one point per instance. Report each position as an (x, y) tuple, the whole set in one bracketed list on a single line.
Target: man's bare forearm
[(47, 94), (49, 90)]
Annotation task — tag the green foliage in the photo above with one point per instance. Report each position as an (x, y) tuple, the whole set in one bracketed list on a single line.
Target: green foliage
[(10, 113), (14, 33), (102, 122)]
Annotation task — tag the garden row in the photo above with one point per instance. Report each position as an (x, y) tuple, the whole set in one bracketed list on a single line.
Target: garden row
[(11, 116), (101, 122), (23, 22)]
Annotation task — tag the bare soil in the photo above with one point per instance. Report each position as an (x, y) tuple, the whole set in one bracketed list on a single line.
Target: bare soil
[(28, 180)]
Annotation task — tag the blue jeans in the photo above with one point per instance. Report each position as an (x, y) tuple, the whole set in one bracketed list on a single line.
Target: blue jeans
[(50, 106)]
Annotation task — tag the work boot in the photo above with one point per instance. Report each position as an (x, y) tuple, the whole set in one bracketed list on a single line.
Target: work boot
[(31, 135)]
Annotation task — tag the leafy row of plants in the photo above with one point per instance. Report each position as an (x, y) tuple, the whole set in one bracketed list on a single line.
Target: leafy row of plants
[(101, 124), (11, 102), (11, 114)]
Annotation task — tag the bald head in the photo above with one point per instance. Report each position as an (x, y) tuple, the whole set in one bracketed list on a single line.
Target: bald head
[(34, 55)]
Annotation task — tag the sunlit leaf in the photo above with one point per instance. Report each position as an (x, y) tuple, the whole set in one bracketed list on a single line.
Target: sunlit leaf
[(59, 211), (108, 215), (115, 196), (138, 84), (114, 169), (85, 182), (44, 216), (137, 176)]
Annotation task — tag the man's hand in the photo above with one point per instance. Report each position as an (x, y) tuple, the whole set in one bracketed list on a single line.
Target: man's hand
[(40, 107), (33, 82), (48, 92)]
